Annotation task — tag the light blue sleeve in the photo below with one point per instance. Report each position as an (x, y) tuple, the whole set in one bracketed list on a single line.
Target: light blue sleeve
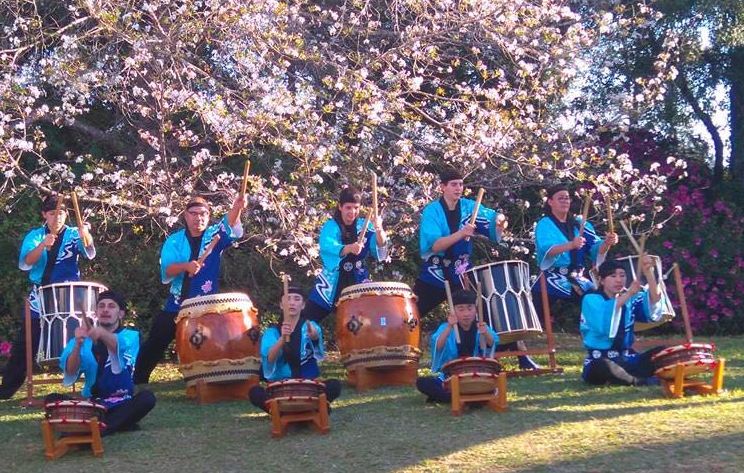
[(448, 352), (273, 371), (126, 352), (644, 311), (31, 241), (485, 222), (430, 229), (489, 350), (318, 345), (593, 241), (169, 254), (89, 252), (596, 318), (88, 366), (330, 244), (546, 237)]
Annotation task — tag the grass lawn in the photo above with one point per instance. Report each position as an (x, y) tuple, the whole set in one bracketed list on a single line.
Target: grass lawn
[(554, 423)]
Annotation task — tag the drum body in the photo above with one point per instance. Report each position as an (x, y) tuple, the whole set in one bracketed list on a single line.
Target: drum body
[(477, 375), (217, 339), (630, 264), (73, 415), (62, 307), (377, 326), (696, 358), (507, 306), (296, 395)]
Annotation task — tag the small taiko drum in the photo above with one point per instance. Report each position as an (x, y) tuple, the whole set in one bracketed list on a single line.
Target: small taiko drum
[(696, 358), (217, 339), (477, 375), (296, 395), (73, 415), (377, 326)]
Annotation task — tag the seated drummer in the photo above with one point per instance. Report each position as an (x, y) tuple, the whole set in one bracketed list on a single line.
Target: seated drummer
[(476, 339), (297, 358), (105, 355), (607, 318)]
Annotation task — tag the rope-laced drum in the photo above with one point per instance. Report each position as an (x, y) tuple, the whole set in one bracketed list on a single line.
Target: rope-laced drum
[(377, 326), (508, 303), (73, 415), (477, 375), (295, 395), (630, 264), (217, 339), (696, 358), (62, 307)]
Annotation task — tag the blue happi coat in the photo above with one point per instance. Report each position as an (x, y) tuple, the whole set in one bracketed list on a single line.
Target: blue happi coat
[(449, 351), (452, 263), (116, 383), (176, 249), (558, 268), (65, 266), (607, 329), (325, 289), (311, 352)]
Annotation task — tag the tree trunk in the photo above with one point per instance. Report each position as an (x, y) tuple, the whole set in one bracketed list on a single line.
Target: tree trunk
[(736, 113)]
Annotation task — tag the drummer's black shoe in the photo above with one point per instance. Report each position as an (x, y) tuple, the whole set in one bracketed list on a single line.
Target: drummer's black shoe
[(5, 394), (650, 381), (527, 363)]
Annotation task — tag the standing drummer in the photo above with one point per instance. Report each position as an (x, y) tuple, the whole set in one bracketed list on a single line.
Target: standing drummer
[(292, 349), (445, 243), (344, 253), (608, 315), (476, 339), (50, 255), (190, 263)]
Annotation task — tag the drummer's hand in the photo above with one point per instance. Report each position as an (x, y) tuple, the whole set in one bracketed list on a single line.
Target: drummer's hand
[(647, 264), (501, 223), (467, 230), (311, 332), (634, 287), (353, 248), (378, 224), (193, 267), (49, 240), (286, 330), (452, 319), (482, 328), (611, 239), (578, 242), (81, 333), (240, 202)]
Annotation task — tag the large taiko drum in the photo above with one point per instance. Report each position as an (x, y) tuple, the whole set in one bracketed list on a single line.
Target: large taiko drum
[(630, 264), (72, 416), (62, 307), (477, 375), (296, 395), (217, 339), (377, 326), (696, 358), (508, 306)]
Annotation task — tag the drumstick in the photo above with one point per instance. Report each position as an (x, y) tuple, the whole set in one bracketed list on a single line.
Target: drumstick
[(60, 197), (479, 315), (478, 200), (363, 233), (246, 170), (452, 308), (208, 249), (285, 300), (630, 236), (639, 268), (374, 195), (585, 213), (610, 220), (79, 218)]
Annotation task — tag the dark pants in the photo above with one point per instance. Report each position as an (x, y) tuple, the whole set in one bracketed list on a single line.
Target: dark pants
[(122, 417), (162, 333), (433, 388), (313, 311), (259, 397), (428, 296), (15, 369), (606, 371)]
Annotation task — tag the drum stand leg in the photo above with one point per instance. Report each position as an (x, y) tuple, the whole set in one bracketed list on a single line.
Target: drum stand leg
[(675, 388), (280, 421), (496, 400), (56, 448)]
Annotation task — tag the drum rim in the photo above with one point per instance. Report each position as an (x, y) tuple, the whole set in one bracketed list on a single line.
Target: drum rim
[(295, 381), (74, 403), (74, 284), (475, 268), (392, 285), (471, 358), (684, 346), (707, 364), (186, 302)]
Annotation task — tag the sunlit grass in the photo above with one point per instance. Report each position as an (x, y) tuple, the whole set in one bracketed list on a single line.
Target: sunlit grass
[(554, 423)]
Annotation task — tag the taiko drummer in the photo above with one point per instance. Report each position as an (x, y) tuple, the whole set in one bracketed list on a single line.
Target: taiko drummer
[(190, 262), (476, 339), (50, 255)]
